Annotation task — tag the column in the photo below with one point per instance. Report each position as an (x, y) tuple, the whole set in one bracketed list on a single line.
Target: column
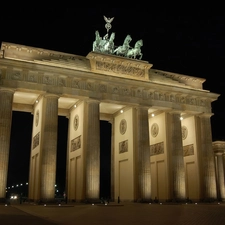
[(112, 163), (143, 155), (222, 189), (49, 147), (92, 151), (6, 100), (220, 172), (208, 163), (174, 140)]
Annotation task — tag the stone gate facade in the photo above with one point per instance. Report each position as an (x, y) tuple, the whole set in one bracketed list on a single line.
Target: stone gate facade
[(161, 130)]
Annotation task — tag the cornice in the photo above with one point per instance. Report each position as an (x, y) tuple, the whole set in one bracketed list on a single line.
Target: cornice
[(44, 57), (194, 82)]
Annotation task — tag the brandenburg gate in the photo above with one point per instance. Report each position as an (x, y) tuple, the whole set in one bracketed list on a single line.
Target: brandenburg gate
[(161, 131)]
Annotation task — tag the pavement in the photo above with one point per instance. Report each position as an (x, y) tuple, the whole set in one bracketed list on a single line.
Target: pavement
[(113, 214)]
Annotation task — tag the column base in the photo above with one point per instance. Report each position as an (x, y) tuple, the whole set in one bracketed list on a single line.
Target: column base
[(144, 201), (92, 201), (179, 200), (46, 201), (209, 200), (3, 200)]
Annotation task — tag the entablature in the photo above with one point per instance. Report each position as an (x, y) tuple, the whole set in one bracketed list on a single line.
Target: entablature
[(27, 73), (114, 89)]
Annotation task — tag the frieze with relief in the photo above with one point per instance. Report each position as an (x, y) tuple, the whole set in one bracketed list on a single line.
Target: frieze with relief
[(90, 86), (62, 81), (126, 91), (32, 77), (36, 140), (137, 92), (188, 150), (102, 88), (48, 79), (17, 75), (75, 144), (76, 84), (123, 146), (115, 90), (157, 149), (120, 69), (65, 81), (162, 97)]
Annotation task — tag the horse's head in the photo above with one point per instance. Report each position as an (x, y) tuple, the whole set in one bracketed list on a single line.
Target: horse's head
[(97, 35), (139, 43), (128, 39)]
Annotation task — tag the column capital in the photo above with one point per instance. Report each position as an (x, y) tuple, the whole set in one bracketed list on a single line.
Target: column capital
[(219, 153), (9, 90), (92, 100), (49, 95), (174, 111), (219, 147), (205, 115), (141, 107)]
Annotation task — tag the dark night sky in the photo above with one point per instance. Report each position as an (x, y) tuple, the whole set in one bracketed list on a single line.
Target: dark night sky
[(183, 39)]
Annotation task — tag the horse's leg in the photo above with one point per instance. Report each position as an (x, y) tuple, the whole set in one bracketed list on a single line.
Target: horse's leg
[(115, 51)]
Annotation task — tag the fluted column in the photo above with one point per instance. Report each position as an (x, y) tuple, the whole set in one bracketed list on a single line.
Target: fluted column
[(112, 186), (92, 151), (6, 100), (177, 160), (222, 175), (208, 163), (143, 155), (49, 147), (220, 172)]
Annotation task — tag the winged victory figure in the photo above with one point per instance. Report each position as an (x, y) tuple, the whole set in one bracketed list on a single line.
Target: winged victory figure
[(108, 23)]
